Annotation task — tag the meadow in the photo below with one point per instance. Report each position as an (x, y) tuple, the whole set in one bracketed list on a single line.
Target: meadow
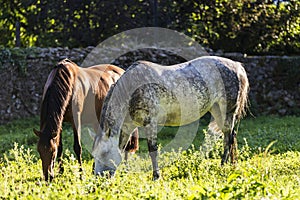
[(268, 167)]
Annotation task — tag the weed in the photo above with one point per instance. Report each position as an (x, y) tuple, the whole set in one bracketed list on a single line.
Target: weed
[(266, 169)]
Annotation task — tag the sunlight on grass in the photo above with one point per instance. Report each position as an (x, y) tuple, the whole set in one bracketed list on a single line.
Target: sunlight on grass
[(265, 170)]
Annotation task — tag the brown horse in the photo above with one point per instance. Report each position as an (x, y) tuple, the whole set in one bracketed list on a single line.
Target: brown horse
[(75, 95)]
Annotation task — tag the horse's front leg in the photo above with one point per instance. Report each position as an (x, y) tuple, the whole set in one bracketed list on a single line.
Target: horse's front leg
[(77, 135), (152, 148), (59, 155)]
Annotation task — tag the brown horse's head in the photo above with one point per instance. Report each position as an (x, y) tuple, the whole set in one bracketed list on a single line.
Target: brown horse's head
[(47, 148)]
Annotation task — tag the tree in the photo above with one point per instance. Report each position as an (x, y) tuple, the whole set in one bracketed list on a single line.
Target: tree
[(249, 26)]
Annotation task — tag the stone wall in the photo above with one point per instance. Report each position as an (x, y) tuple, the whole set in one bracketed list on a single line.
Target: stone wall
[(274, 80)]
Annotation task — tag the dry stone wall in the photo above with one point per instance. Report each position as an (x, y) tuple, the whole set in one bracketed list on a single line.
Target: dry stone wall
[(274, 80)]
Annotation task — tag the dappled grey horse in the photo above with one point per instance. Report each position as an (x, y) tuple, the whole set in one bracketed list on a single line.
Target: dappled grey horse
[(148, 95)]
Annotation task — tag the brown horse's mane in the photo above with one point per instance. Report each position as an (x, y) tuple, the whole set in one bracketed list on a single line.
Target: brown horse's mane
[(57, 94)]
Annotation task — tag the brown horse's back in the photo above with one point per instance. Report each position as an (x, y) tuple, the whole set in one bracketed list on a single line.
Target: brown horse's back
[(90, 88), (109, 76)]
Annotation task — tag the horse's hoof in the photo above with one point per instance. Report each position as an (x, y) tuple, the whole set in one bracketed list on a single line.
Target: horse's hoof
[(61, 170), (224, 158), (223, 162), (155, 175)]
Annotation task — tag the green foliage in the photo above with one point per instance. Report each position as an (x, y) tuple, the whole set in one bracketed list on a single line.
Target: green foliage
[(245, 26), (260, 132), (248, 26), (266, 169), (19, 131)]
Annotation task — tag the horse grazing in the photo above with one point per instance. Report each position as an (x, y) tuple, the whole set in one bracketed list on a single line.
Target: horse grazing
[(75, 95), (148, 95)]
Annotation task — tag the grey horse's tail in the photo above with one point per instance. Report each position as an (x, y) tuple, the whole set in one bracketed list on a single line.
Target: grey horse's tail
[(242, 100)]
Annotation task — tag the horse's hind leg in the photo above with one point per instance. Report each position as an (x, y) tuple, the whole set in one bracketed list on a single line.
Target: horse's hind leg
[(213, 134), (225, 122), (215, 125), (230, 142)]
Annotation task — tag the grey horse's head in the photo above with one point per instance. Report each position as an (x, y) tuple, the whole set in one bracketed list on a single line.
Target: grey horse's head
[(106, 151)]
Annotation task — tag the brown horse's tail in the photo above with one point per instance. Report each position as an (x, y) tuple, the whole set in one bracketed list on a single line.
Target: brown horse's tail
[(242, 101), (133, 143)]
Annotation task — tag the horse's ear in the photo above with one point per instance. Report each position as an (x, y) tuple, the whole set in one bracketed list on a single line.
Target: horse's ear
[(38, 133)]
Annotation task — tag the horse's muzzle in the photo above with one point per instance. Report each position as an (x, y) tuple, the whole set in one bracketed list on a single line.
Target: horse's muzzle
[(106, 172)]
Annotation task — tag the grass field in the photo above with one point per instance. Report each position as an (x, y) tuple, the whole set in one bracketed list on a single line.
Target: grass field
[(268, 167)]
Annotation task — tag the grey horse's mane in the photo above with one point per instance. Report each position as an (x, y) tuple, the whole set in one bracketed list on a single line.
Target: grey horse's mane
[(105, 109)]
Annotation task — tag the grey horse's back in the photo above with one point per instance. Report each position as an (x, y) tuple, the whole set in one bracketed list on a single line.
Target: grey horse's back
[(236, 83)]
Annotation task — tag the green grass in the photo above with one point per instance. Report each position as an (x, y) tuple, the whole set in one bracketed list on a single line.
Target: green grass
[(266, 169)]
